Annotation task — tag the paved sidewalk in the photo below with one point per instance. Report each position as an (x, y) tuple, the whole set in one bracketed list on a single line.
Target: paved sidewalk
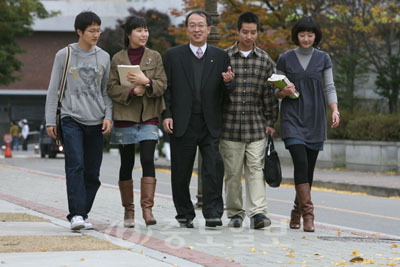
[(372, 183), (43, 195)]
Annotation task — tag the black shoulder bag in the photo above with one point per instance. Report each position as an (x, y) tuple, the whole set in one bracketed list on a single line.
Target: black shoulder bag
[(272, 165)]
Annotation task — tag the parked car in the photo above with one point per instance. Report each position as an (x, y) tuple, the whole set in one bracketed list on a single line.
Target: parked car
[(48, 145)]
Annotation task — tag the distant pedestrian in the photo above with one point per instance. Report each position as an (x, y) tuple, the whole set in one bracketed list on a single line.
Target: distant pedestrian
[(15, 133), (249, 115), (136, 112), (24, 133), (86, 115), (303, 119)]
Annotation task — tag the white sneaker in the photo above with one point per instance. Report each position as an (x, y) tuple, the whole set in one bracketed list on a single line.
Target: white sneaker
[(77, 223), (88, 225)]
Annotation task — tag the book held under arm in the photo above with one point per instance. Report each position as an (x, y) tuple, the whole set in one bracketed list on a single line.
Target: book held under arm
[(280, 81), (123, 74)]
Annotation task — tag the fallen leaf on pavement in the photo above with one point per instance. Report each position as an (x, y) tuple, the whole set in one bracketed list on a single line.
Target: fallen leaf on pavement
[(355, 252), (357, 259), (82, 259), (370, 261), (395, 246), (253, 249)]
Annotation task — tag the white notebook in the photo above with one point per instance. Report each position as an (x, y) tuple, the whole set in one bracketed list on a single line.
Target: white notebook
[(123, 73)]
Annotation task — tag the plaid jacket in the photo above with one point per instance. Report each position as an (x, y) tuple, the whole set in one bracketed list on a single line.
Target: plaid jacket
[(252, 105)]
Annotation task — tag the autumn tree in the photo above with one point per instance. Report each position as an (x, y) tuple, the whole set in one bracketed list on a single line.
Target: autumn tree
[(346, 48), (380, 33), (158, 23), (16, 18)]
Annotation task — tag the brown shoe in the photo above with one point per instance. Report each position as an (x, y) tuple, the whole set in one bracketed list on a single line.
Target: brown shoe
[(295, 215), (303, 192), (126, 190), (148, 188)]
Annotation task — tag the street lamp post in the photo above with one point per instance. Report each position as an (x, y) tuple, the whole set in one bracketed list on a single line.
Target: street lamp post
[(213, 38)]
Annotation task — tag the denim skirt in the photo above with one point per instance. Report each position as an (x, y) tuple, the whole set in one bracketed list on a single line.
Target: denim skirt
[(133, 134)]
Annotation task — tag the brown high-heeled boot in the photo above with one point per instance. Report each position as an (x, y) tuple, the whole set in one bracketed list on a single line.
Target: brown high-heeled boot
[(295, 215), (148, 188), (303, 192), (126, 190)]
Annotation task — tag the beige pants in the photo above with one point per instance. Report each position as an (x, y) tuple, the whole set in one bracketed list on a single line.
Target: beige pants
[(250, 157)]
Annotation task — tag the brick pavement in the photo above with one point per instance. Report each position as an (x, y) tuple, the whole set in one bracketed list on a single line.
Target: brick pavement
[(274, 246)]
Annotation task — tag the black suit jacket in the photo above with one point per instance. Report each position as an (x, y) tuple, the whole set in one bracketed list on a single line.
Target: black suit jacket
[(180, 85)]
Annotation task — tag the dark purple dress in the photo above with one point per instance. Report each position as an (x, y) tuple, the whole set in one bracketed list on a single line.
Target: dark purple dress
[(304, 119)]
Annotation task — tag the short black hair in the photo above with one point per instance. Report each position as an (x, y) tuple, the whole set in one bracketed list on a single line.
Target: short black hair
[(248, 17), (201, 13), (86, 19), (307, 24), (132, 23)]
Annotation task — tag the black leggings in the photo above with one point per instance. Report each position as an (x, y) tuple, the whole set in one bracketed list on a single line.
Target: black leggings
[(304, 160), (127, 153)]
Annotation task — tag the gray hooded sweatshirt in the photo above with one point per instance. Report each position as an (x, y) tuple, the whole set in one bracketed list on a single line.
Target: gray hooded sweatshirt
[(85, 96)]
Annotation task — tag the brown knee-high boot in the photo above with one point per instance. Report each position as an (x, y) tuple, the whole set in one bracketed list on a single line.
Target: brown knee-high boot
[(126, 189), (295, 215), (303, 192), (148, 188)]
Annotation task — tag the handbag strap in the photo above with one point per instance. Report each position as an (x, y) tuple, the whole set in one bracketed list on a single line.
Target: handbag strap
[(64, 75), (270, 145)]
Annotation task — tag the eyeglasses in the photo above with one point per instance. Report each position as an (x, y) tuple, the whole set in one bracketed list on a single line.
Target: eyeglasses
[(95, 31), (193, 26)]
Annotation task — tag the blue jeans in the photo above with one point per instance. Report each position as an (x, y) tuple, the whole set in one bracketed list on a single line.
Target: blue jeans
[(14, 143), (83, 148)]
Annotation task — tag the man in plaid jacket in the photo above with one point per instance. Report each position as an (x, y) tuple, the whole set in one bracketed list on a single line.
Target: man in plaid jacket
[(249, 114)]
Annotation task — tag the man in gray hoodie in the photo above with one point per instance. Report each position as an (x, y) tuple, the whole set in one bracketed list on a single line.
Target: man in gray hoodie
[(85, 115)]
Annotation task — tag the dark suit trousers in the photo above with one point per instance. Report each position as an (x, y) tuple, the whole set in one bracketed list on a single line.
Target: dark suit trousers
[(183, 152)]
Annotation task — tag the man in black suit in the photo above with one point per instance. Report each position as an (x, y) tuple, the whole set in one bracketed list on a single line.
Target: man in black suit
[(198, 76)]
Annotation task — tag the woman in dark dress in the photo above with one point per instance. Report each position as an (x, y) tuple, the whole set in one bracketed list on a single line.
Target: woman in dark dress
[(303, 119)]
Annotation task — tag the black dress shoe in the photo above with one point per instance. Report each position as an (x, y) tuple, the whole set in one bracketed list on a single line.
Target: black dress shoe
[(187, 224), (236, 221), (259, 221), (213, 222)]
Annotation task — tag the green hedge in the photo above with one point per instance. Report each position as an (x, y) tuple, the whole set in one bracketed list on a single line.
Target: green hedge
[(363, 126)]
